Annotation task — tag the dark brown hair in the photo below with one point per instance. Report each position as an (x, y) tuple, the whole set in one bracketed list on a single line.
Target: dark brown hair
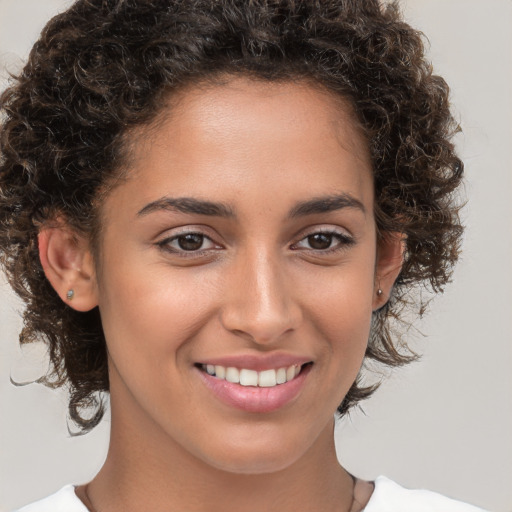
[(104, 67)]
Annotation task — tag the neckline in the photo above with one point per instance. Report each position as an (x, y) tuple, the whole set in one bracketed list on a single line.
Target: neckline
[(363, 490)]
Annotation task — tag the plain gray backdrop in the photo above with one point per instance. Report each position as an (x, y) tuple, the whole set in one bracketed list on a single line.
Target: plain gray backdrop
[(444, 423)]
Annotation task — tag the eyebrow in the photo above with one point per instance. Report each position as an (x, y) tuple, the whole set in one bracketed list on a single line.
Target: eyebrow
[(188, 205), (213, 209), (326, 204)]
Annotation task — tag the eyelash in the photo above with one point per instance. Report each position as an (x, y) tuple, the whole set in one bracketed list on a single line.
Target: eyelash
[(343, 239), (165, 245)]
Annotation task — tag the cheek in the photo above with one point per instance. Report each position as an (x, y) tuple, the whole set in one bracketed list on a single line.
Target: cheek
[(151, 315), (341, 311)]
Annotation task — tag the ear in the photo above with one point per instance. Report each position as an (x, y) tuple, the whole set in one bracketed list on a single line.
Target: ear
[(68, 265), (390, 256)]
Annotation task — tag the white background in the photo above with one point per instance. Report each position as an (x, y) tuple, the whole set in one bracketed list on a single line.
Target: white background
[(444, 423)]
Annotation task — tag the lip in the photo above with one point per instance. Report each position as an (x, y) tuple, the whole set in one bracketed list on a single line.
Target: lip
[(252, 398), (259, 362)]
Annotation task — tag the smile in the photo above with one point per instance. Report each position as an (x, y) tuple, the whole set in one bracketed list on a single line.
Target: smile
[(261, 390), (245, 377)]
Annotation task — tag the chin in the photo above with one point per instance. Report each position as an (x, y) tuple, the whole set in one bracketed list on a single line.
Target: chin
[(247, 457), (260, 464)]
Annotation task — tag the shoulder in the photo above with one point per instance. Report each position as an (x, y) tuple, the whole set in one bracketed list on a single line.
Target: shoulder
[(64, 500), (388, 496)]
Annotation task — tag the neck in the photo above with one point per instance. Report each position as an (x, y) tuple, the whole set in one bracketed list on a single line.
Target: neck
[(151, 472)]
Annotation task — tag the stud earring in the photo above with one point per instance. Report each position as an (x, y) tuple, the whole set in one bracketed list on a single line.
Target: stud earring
[(70, 294), (379, 292)]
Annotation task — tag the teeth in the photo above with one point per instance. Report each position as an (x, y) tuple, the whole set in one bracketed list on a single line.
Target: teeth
[(245, 377), (232, 375), (267, 379), (220, 371), (248, 377), (281, 376)]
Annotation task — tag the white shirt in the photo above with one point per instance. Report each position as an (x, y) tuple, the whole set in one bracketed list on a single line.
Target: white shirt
[(388, 496)]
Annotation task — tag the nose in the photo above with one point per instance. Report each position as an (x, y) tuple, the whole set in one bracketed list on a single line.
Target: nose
[(259, 304)]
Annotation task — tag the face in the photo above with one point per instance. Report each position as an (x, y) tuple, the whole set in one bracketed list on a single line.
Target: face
[(237, 275)]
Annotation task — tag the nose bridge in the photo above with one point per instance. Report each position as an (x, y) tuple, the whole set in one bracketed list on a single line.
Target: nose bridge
[(260, 304)]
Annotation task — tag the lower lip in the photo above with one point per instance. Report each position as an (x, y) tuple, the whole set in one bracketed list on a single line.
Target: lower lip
[(253, 398)]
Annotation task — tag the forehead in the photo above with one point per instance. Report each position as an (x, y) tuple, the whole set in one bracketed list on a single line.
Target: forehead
[(244, 135), (238, 105)]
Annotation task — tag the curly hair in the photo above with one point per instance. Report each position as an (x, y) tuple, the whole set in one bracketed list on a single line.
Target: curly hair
[(104, 67)]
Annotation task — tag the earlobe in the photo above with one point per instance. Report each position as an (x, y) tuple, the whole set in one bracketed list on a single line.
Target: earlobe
[(390, 257), (68, 265)]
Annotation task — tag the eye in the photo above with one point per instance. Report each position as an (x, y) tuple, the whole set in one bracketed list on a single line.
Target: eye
[(320, 241), (324, 241), (188, 242)]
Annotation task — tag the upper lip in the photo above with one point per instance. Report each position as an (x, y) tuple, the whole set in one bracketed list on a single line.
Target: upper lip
[(258, 362)]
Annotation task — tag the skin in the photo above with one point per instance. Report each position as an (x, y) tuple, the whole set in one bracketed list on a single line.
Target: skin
[(256, 286)]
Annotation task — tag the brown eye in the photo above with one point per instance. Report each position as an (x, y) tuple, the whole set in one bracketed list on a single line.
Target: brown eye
[(190, 242), (320, 241), (325, 242)]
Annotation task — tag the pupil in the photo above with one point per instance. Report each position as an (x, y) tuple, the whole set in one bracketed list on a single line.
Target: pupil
[(320, 241), (191, 242)]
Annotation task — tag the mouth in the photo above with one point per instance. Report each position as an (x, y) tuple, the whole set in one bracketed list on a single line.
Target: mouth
[(253, 391), (247, 377)]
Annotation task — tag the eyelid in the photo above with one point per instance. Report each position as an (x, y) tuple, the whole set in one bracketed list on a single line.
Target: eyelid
[(345, 238), (323, 228), (164, 241)]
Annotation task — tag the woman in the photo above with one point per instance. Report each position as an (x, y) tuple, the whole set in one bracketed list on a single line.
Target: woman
[(215, 212)]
